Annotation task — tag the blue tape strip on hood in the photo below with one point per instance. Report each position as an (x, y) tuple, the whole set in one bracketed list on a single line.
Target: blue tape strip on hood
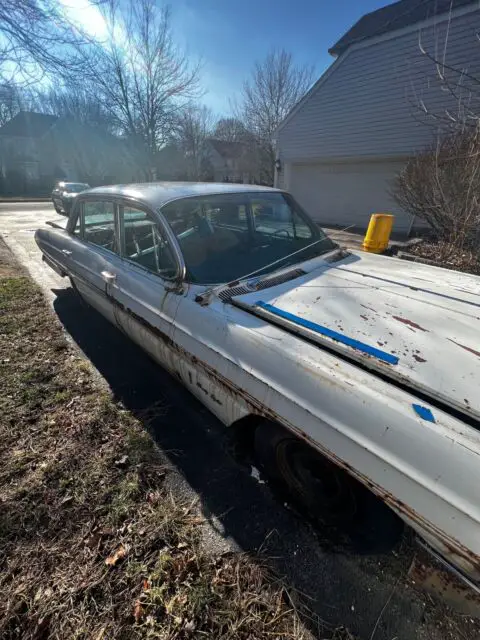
[(334, 335)]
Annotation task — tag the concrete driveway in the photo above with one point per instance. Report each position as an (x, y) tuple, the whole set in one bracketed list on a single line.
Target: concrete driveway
[(18, 223), (371, 595)]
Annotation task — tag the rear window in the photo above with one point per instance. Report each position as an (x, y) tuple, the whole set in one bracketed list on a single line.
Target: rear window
[(75, 187)]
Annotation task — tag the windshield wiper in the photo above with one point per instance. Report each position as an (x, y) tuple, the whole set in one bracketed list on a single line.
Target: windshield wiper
[(204, 298)]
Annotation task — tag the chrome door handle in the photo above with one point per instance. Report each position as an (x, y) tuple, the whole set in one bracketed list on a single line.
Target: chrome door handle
[(66, 252), (109, 277)]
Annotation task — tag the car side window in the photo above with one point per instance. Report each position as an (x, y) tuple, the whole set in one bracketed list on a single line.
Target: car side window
[(98, 220), (144, 244)]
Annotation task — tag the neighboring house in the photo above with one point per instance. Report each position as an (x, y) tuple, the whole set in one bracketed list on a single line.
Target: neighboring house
[(171, 164), (216, 161), (379, 102), (229, 161), (38, 149), (20, 146)]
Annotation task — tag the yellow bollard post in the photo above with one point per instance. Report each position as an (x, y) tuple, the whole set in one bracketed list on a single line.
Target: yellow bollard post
[(378, 232)]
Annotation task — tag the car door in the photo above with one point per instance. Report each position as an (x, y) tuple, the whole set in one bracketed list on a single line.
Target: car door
[(92, 253), (145, 297), (200, 330)]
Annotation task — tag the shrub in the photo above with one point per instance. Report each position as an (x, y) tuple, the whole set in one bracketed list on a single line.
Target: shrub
[(441, 185)]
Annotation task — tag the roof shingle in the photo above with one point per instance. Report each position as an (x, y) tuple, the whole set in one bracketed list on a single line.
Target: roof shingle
[(28, 124), (395, 16)]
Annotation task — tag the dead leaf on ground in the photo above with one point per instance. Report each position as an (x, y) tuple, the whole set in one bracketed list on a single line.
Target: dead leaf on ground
[(115, 557), (138, 611), (189, 626), (101, 634), (153, 497)]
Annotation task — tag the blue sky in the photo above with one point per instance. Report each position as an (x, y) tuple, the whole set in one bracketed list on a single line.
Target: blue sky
[(229, 35)]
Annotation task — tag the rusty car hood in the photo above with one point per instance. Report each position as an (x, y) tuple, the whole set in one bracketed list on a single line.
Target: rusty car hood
[(416, 324)]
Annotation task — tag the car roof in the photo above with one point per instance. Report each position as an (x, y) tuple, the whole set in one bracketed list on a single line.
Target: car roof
[(156, 194)]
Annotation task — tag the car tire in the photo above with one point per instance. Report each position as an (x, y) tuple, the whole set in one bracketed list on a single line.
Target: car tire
[(56, 207), (330, 497)]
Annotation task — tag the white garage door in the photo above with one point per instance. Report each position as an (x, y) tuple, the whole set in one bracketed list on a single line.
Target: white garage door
[(346, 194)]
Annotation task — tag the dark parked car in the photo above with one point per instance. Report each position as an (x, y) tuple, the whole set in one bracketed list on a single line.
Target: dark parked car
[(64, 194)]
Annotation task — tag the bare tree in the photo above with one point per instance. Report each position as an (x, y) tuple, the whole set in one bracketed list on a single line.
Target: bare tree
[(37, 38), (452, 76), (78, 103), (441, 185), (230, 130), (141, 75), (10, 102), (194, 126), (275, 87)]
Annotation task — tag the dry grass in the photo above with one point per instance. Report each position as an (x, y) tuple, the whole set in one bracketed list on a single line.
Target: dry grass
[(91, 543)]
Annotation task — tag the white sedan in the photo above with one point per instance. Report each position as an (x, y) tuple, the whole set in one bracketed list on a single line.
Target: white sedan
[(355, 376)]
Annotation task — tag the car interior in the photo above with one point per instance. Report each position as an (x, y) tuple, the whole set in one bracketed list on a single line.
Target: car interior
[(144, 245), (142, 241), (223, 238)]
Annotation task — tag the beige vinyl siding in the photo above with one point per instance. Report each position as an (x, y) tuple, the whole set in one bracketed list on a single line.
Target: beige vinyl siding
[(370, 103), (344, 194)]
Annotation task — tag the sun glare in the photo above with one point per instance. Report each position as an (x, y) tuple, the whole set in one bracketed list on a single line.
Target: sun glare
[(87, 16)]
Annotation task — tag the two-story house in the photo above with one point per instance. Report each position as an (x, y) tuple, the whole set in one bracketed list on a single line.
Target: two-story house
[(387, 95)]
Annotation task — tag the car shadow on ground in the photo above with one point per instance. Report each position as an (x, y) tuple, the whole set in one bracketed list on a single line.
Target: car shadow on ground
[(340, 588)]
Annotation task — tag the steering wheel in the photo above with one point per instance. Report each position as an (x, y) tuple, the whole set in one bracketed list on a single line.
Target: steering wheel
[(279, 231)]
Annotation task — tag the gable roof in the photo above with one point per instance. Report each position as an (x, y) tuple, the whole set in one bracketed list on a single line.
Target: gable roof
[(227, 149), (395, 16), (28, 124)]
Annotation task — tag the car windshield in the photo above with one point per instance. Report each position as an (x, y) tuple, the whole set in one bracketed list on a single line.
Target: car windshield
[(75, 187), (229, 236)]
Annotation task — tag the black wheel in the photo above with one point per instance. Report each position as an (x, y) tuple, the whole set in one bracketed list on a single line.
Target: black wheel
[(327, 494), (56, 207)]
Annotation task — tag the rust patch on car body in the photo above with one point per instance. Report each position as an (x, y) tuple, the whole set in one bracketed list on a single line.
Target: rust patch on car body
[(475, 353), (409, 323), (418, 358)]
